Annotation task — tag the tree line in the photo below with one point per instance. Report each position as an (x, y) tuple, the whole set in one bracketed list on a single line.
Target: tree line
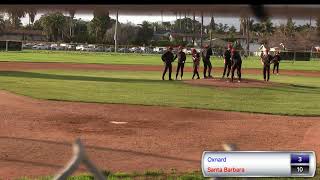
[(65, 28)]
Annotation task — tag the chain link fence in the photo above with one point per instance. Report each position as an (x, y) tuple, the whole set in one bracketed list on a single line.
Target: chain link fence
[(217, 52)]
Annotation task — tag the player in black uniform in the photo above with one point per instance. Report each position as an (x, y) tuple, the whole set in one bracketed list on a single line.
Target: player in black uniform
[(276, 62), (266, 59), (181, 60), (227, 61), (236, 64), (206, 53), (168, 58), (196, 63)]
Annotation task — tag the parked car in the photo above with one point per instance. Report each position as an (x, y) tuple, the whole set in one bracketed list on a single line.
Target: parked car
[(41, 47), (71, 47), (136, 50), (99, 49), (28, 45), (56, 47), (159, 50), (149, 50), (123, 50), (80, 48), (110, 49), (89, 47)]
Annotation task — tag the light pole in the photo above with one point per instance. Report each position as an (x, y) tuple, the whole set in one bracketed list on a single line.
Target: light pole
[(201, 30), (115, 35)]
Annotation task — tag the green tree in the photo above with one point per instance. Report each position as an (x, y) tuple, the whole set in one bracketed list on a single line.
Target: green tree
[(54, 24), (80, 31), (37, 25), (290, 27), (144, 34), (127, 34), (99, 25), (15, 14), (186, 25), (212, 24), (318, 25), (302, 28), (257, 28), (222, 28), (166, 25), (267, 27), (232, 29), (243, 25), (32, 14), (156, 26), (2, 23), (71, 14)]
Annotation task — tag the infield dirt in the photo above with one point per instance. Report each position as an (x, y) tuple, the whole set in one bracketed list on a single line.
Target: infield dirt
[(36, 135), (14, 66)]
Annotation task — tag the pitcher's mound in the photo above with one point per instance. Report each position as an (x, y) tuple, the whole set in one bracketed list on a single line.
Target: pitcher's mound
[(225, 83)]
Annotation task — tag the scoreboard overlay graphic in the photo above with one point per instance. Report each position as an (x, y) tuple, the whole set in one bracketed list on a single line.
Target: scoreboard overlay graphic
[(258, 164)]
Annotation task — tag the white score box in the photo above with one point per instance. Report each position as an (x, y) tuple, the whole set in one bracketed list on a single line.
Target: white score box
[(258, 164)]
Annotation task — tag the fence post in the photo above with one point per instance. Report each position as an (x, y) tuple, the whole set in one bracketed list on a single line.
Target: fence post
[(116, 35), (7, 45)]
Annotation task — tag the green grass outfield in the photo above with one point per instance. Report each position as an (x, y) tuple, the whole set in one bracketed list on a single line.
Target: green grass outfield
[(138, 59), (302, 97)]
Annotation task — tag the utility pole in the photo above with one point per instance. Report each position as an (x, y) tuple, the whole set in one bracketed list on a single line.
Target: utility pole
[(248, 34), (211, 29), (161, 17), (186, 22), (180, 22), (193, 27), (115, 35), (201, 31), (310, 37)]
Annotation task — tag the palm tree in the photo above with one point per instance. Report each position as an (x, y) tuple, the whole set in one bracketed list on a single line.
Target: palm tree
[(212, 27), (99, 25), (32, 14), (290, 27), (54, 24), (14, 16), (166, 25), (243, 24), (267, 27), (246, 25), (155, 26), (318, 25), (71, 13), (2, 23)]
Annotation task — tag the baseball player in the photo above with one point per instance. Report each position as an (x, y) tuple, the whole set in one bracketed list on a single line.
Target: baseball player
[(227, 61), (266, 59), (168, 57), (196, 63), (206, 53), (236, 64), (181, 60), (276, 62)]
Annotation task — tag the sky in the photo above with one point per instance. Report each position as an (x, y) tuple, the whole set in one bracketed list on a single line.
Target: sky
[(137, 19)]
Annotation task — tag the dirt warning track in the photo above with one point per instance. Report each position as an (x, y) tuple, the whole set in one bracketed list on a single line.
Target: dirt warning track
[(14, 66), (35, 135)]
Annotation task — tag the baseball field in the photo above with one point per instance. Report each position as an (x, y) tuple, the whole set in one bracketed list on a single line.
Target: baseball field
[(133, 122)]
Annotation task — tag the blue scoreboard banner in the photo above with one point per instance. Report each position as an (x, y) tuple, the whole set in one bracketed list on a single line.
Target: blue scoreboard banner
[(258, 164)]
